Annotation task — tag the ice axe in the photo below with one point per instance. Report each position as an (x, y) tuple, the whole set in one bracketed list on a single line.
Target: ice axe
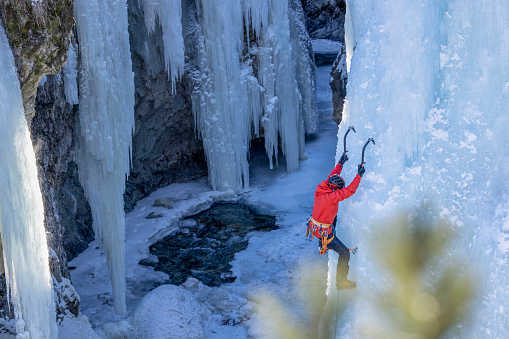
[(344, 139), (364, 148)]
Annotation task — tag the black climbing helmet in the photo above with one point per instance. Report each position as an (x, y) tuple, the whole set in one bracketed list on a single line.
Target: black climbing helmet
[(337, 180)]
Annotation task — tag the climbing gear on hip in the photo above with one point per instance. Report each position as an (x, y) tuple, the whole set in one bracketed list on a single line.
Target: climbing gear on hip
[(324, 241), (317, 228), (322, 231)]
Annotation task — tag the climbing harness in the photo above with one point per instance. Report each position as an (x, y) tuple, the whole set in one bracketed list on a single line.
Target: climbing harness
[(323, 230), (364, 148), (344, 139)]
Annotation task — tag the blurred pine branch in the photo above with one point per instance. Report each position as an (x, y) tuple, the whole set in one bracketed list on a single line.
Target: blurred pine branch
[(428, 290)]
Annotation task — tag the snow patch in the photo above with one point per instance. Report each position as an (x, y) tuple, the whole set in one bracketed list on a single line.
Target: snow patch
[(168, 311)]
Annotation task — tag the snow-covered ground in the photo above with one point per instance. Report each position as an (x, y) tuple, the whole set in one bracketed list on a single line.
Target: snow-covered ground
[(273, 263), (326, 46)]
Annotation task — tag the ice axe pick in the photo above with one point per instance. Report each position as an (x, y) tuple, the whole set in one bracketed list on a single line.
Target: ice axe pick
[(344, 139), (364, 148)]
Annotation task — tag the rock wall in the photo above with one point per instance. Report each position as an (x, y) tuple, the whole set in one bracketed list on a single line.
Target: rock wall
[(325, 19), (38, 33), (337, 82), (165, 147), (67, 213)]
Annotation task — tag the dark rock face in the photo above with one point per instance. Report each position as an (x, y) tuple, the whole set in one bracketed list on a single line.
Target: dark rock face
[(165, 147), (338, 81), (67, 214), (325, 19), (39, 39), (68, 220)]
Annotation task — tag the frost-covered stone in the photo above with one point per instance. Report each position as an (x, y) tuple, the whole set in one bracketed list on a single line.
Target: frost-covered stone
[(76, 328), (168, 312), (225, 299)]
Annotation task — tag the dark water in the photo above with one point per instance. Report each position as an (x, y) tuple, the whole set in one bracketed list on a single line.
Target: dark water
[(204, 251)]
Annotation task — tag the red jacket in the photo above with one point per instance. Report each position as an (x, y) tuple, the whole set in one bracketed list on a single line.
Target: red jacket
[(325, 208)]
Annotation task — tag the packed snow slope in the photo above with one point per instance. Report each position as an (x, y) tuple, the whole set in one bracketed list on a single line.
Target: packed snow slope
[(429, 81)]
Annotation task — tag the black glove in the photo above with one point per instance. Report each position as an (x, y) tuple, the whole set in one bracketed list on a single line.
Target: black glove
[(361, 170), (344, 158)]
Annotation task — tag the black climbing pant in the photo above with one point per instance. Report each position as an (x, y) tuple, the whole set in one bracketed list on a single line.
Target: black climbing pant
[(344, 257)]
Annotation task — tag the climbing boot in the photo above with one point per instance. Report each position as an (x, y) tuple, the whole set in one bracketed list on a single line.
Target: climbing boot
[(345, 284)]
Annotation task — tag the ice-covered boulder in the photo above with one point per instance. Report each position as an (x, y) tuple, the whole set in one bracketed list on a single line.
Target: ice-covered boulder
[(168, 311)]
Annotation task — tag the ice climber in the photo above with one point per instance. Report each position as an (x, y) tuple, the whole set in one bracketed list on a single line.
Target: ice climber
[(323, 221)]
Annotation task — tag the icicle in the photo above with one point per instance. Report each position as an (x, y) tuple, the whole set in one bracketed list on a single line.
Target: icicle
[(70, 73), (24, 243), (270, 119), (221, 112), (277, 38), (256, 15), (106, 123), (305, 69), (170, 19)]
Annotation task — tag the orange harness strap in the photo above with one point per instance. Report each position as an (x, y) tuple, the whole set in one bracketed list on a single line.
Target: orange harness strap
[(325, 242), (324, 232)]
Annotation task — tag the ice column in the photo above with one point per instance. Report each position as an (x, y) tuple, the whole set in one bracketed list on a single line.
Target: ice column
[(70, 73), (221, 110), (29, 281), (169, 13), (282, 110), (305, 68), (106, 124)]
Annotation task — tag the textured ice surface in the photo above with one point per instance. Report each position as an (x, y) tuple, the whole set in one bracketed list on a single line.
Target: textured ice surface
[(24, 243), (106, 124)]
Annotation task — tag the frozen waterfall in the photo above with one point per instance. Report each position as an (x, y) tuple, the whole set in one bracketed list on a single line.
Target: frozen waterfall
[(169, 13), (21, 213), (231, 103), (106, 84), (430, 82)]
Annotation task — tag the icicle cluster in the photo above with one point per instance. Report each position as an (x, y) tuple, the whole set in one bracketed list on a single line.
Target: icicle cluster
[(24, 243), (106, 125), (169, 13), (232, 103), (220, 108), (70, 73)]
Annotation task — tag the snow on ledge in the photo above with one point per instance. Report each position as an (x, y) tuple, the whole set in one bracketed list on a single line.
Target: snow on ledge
[(324, 46)]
